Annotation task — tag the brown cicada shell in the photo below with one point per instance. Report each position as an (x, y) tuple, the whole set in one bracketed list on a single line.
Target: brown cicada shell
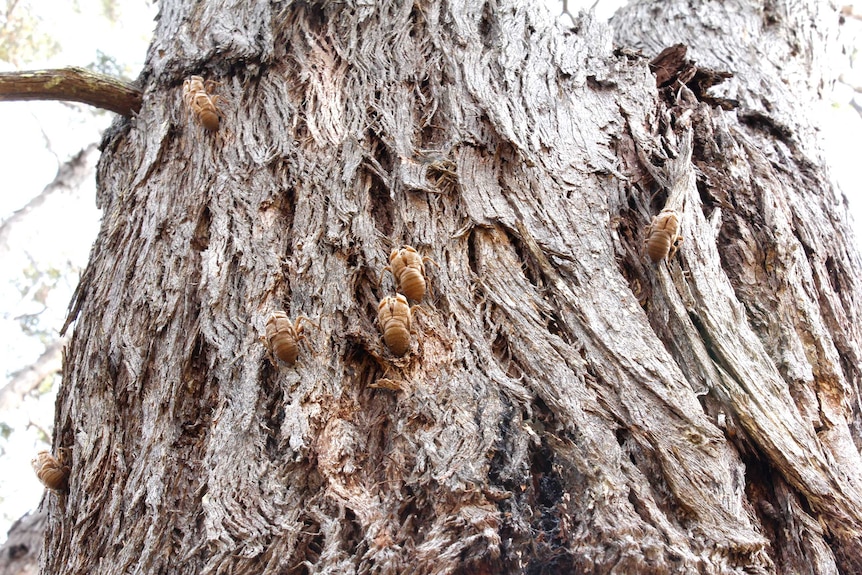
[(395, 319), (283, 337), (53, 474), (408, 268), (204, 106), (663, 237)]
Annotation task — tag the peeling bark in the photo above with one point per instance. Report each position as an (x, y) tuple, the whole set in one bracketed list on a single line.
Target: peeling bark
[(788, 355), (564, 406)]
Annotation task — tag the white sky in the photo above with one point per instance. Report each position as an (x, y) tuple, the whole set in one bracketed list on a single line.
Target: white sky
[(65, 228)]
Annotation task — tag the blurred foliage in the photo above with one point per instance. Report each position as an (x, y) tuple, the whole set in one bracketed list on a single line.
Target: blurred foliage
[(20, 39), (111, 10), (35, 284), (42, 434), (47, 384), (108, 65)]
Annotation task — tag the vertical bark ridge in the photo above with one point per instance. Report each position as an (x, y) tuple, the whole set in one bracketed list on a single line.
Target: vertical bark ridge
[(776, 221)]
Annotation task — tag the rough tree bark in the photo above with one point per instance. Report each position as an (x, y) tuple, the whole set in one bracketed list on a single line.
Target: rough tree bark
[(565, 406)]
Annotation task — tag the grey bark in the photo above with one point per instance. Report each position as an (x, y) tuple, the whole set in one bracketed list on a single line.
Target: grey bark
[(564, 406), (790, 372)]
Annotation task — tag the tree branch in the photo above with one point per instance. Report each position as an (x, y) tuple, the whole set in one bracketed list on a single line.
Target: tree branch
[(75, 84)]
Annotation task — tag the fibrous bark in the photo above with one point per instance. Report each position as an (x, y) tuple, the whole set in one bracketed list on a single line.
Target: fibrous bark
[(790, 364), (564, 406)]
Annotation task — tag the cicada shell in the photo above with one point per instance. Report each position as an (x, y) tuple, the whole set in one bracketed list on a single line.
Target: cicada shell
[(408, 268), (283, 337), (204, 106), (53, 474), (663, 237), (395, 319)]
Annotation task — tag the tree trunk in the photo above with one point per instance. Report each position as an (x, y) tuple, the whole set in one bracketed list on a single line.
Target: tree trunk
[(564, 406)]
